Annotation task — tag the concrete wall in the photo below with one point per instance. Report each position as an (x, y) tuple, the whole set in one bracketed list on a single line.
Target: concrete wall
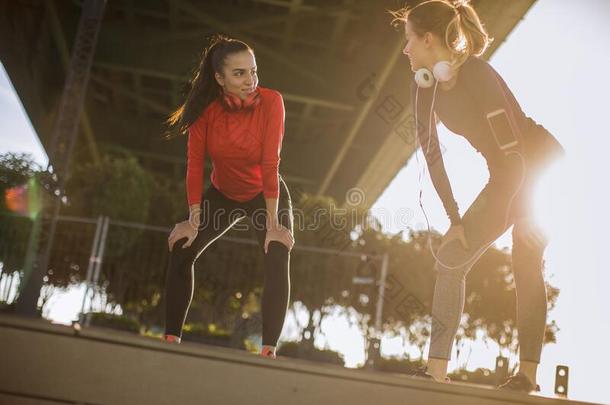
[(48, 364)]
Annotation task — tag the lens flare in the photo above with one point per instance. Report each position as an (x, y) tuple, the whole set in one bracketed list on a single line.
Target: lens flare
[(23, 199)]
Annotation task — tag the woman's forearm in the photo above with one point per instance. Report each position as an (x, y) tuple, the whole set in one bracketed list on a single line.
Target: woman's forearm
[(272, 219), (195, 214)]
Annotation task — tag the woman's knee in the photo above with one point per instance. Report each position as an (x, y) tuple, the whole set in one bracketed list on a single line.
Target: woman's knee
[(182, 257), (178, 246), (277, 252), (456, 274), (452, 261)]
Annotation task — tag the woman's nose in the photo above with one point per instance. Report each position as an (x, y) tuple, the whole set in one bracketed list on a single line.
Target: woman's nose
[(405, 51)]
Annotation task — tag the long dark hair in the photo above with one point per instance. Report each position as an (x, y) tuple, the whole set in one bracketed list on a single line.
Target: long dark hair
[(203, 85)]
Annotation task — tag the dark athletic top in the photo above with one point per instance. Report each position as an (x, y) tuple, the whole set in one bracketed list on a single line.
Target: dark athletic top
[(463, 109)]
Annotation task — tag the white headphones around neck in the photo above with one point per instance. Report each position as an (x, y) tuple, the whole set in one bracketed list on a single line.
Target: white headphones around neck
[(441, 72)]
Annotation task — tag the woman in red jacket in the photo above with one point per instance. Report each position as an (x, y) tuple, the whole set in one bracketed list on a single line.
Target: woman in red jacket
[(240, 126)]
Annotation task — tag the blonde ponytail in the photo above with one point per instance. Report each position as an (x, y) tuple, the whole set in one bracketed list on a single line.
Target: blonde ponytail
[(477, 39)]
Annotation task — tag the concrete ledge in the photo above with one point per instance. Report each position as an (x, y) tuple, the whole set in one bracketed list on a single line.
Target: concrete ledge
[(50, 364)]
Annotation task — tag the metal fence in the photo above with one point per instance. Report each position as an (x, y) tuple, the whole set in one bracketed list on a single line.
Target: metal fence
[(123, 266)]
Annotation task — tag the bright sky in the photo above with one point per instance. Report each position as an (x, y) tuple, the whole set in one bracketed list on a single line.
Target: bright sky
[(553, 77), (16, 131)]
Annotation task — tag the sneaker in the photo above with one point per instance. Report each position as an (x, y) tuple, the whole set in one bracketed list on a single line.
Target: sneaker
[(423, 373), (171, 339), (519, 382), (267, 352)]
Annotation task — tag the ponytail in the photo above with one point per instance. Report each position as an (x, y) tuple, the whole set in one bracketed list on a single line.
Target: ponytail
[(476, 40)]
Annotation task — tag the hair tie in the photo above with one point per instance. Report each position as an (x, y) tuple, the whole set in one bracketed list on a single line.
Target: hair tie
[(459, 5)]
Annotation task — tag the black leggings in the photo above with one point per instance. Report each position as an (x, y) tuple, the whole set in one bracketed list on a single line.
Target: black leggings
[(219, 214)]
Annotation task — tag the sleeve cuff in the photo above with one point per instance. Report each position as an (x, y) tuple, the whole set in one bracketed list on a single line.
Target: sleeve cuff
[(192, 201)]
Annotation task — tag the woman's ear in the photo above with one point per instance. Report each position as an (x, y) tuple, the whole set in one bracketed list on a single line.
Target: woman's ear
[(428, 39), (220, 79)]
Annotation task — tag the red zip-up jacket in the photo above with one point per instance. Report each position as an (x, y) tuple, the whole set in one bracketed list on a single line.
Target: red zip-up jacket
[(244, 147)]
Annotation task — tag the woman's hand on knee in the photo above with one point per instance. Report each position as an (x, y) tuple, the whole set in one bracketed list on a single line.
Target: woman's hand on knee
[(280, 234), (184, 229), (455, 232)]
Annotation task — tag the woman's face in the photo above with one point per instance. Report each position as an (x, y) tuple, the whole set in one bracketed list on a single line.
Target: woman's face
[(417, 48), (239, 75)]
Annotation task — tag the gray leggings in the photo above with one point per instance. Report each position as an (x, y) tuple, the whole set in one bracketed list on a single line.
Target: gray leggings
[(484, 222)]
